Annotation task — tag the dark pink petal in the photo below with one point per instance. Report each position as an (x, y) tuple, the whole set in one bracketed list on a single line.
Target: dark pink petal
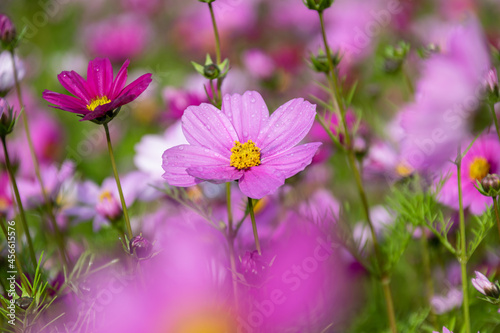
[(130, 93), (65, 102), (293, 160), (216, 174), (247, 112), (76, 85), (100, 76), (286, 127), (136, 88), (120, 80), (260, 181), (207, 126), (177, 159)]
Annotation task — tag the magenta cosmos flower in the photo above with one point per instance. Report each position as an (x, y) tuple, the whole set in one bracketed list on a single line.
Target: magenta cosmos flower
[(242, 142), (480, 160), (100, 93)]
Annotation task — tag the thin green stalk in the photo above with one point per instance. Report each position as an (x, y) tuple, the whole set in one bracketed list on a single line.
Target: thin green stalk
[(254, 225), (19, 204), (495, 120), (20, 271), (36, 166), (231, 235), (337, 98), (118, 184), (497, 214), (463, 249), (429, 285), (216, 33)]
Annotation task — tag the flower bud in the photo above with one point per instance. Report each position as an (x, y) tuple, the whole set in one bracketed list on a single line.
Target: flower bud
[(206, 1), (318, 5), (141, 246), (211, 71), (7, 118), (7, 29), (485, 286), (24, 302), (320, 62), (489, 185)]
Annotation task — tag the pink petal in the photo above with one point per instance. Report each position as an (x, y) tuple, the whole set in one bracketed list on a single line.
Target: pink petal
[(248, 114), (207, 126), (177, 159), (286, 127), (76, 85), (65, 102), (216, 174), (120, 80), (293, 160), (260, 181), (134, 89), (100, 76)]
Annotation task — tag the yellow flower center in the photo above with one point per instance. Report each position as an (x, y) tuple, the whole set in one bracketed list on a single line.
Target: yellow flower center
[(479, 168), (4, 204), (244, 156), (98, 101), (403, 169), (106, 195)]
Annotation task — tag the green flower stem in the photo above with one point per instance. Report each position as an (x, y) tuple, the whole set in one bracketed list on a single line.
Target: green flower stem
[(216, 33), (495, 120), (497, 214), (337, 99), (463, 249), (254, 225), (118, 184), (24, 280), (230, 236), (19, 204), (36, 166), (429, 285)]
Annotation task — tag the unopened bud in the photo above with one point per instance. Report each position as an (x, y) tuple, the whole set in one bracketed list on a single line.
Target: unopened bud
[(489, 185), (7, 29), (318, 5), (211, 71), (485, 286), (141, 246)]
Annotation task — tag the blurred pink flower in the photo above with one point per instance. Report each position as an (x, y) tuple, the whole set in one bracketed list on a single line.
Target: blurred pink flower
[(447, 93), (481, 159), (178, 99), (258, 63), (119, 37), (242, 142), (7, 81)]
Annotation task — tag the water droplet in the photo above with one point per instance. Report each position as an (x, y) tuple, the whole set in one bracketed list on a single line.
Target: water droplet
[(181, 148), (226, 98), (252, 100), (206, 150), (208, 127)]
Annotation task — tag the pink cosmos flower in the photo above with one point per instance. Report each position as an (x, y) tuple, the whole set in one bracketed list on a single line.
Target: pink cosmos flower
[(119, 37), (242, 142), (481, 159), (100, 93), (445, 330)]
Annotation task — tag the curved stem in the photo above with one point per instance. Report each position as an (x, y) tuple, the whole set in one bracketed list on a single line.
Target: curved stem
[(338, 100), (36, 166), (254, 226), (118, 184), (19, 204), (463, 249)]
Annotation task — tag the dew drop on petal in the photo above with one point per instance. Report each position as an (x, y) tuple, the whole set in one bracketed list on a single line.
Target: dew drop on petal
[(181, 148)]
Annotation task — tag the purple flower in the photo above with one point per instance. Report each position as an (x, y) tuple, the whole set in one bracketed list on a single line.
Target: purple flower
[(445, 330), (100, 93), (242, 142), (485, 286), (445, 303), (259, 64)]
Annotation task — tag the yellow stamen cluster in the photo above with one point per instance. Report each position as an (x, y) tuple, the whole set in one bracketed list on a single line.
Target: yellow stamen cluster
[(403, 169), (98, 101), (244, 156), (106, 195), (479, 168)]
